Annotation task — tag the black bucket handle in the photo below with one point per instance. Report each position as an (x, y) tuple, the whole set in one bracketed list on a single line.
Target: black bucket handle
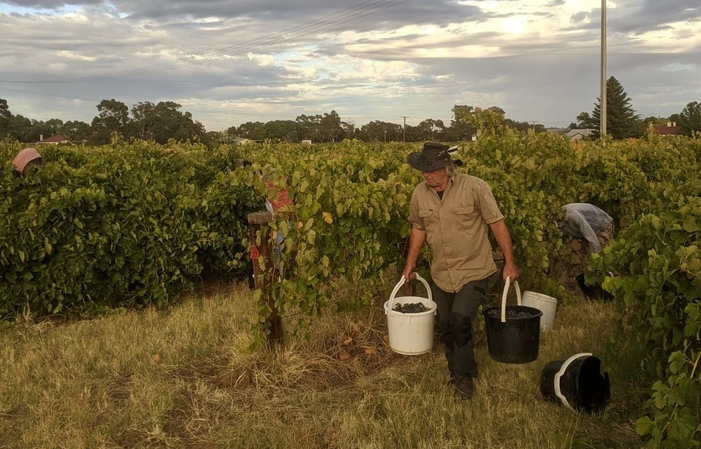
[(505, 294)]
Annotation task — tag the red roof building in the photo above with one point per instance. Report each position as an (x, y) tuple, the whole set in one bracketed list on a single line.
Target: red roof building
[(58, 138), (670, 129)]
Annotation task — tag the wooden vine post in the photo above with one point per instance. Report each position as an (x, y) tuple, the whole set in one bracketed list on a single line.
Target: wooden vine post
[(263, 278)]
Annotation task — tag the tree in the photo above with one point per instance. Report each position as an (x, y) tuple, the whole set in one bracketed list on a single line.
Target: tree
[(76, 131), (53, 126), (413, 133), (170, 123), (192, 130), (142, 120), (21, 128), (584, 121), (690, 118), (348, 129), (162, 122), (111, 122), (5, 116), (524, 126), (330, 127), (251, 130), (430, 129), (212, 139), (285, 130), (621, 119), (459, 129), (379, 131), (490, 119), (309, 127)]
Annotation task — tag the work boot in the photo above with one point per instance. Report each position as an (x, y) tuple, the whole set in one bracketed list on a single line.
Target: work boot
[(464, 387)]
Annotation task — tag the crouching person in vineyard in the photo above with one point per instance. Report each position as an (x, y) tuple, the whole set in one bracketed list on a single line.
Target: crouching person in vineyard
[(585, 222), (277, 202), (25, 158), (453, 212)]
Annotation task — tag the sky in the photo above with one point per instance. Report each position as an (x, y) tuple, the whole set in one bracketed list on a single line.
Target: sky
[(399, 61)]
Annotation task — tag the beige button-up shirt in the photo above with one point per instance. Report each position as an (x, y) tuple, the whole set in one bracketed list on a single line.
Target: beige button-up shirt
[(457, 228)]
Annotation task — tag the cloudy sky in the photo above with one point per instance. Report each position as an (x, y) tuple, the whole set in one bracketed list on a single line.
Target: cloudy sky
[(230, 62)]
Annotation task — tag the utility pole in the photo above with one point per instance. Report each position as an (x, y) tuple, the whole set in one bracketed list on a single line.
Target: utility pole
[(404, 136), (602, 121)]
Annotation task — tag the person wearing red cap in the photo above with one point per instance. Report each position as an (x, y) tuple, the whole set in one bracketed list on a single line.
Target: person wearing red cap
[(24, 158), (453, 213), (277, 202)]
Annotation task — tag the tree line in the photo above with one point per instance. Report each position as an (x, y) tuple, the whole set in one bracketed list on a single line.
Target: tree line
[(114, 122), (330, 128), (164, 121), (161, 122)]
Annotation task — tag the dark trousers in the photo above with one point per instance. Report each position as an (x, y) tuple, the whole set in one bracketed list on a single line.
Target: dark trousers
[(456, 311)]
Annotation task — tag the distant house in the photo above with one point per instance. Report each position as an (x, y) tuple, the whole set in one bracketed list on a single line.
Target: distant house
[(557, 130), (239, 140), (53, 140), (579, 134), (670, 129)]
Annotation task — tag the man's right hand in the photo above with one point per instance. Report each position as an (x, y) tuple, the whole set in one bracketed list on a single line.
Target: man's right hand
[(409, 273), (417, 238)]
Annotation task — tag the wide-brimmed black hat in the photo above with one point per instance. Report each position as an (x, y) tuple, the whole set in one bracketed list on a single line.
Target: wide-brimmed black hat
[(433, 156)]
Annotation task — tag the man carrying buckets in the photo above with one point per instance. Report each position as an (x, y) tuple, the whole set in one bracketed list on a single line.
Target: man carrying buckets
[(453, 212)]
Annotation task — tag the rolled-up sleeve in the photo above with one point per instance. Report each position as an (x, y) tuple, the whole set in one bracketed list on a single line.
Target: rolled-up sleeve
[(414, 216), (484, 199)]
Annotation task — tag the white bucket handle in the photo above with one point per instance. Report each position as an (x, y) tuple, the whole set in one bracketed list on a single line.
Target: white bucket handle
[(399, 285), (559, 374), (505, 294)]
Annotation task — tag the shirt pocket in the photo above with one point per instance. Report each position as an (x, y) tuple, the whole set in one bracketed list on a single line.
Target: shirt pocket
[(465, 216), (429, 219)]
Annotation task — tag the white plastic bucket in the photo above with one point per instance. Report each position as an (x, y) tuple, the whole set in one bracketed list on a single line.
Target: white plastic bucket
[(544, 303), (410, 333)]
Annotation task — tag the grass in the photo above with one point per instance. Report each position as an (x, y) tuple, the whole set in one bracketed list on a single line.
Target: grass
[(184, 378)]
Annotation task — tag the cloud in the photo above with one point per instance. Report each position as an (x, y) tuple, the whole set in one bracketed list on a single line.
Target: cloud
[(228, 62)]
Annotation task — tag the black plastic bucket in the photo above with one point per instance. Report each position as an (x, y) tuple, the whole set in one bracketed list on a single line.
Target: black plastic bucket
[(582, 386), (515, 340)]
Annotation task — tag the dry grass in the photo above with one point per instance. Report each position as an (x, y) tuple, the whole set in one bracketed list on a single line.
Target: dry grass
[(184, 378)]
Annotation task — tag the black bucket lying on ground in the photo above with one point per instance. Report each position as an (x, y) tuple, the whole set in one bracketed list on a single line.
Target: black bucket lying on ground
[(592, 291), (581, 384), (515, 340)]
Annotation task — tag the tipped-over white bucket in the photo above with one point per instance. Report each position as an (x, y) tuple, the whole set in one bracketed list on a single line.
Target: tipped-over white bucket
[(544, 303), (410, 333)]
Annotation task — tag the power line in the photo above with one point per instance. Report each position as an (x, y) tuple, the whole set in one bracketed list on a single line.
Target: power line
[(299, 31), (314, 26), (50, 95)]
